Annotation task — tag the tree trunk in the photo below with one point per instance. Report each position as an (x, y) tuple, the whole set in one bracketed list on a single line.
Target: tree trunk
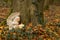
[(31, 10), (39, 5)]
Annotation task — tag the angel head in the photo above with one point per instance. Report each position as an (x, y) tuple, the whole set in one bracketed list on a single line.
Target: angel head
[(16, 16)]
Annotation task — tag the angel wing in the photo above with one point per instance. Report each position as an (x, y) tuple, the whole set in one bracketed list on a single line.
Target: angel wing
[(11, 18)]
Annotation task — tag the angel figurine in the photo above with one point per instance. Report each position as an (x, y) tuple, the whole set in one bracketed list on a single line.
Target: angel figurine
[(13, 21)]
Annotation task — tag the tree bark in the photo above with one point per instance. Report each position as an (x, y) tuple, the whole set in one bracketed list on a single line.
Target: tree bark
[(30, 11)]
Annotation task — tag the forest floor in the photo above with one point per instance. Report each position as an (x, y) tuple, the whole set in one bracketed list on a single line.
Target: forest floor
[(50, 31), (30, 32)]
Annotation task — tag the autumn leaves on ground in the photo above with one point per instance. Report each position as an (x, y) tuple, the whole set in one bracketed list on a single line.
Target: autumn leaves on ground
[(30, 32)]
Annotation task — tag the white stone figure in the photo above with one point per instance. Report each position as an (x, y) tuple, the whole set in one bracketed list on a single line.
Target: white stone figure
[(13, 21)]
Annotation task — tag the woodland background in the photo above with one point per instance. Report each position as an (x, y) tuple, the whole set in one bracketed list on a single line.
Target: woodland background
[(41, 17)]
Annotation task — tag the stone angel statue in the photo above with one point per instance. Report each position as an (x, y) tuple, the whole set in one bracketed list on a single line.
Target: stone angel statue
[(13, 21)]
